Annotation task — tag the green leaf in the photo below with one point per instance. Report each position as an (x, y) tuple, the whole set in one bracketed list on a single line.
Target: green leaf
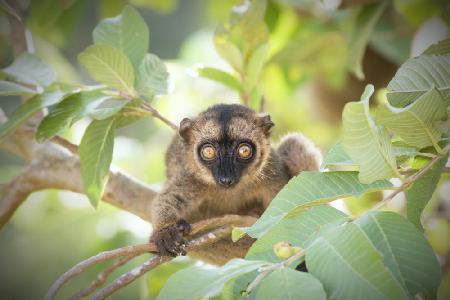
[(108, 66), (255, 65), (229, 52), (368, 16), (417, 76), (440, 48), (30, 69), (416, 123), (350, 267), (406, 252), (96, 149), (288, 284), (404, 150), (310, 221), (245, 30), (28, 108), (126, 32), (8, 88), (418, 11), (208, 282), (103, 112), (152, 76), (418, 195), (336, 158), (220, 76), (67, 112), (307, 190), (367, 144)]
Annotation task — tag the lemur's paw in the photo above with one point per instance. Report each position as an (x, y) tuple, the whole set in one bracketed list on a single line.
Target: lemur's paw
[(169, 239)]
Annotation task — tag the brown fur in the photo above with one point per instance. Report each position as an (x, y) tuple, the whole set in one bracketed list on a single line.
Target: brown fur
[(191, 193)]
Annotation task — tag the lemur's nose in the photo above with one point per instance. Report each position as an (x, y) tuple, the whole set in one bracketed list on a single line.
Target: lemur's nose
[(226, 181)]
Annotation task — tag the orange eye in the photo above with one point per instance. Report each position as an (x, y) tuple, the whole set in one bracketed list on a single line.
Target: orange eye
[(245, 151), (208, 152)]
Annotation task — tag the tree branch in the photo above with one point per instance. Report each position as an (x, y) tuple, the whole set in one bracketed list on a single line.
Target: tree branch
[(16, 27), (131, 276), (52, 166), (101, 278), (201, 237), (154, 113)]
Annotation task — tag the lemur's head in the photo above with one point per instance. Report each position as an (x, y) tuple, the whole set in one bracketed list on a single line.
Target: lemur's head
[(227, 144)]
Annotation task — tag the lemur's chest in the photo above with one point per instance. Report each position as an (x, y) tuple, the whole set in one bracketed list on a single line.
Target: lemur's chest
[(248, 201)]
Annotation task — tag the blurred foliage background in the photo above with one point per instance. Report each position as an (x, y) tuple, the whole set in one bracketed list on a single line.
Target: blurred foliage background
[(322, 53)]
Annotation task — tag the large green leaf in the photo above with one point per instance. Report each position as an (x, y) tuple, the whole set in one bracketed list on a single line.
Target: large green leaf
[(416, 123), (30, 69), (350, 267), (418, 195), (367, 144), (406, 252), (200, 282), (220, 76), (337, 160), (28, 108), (307, 190), (288, 284), (296, 231), (417, 76), (96, 149), (152, 76), (67, 112), (8, 88), (126, 32), (110, 66), (367, 17)]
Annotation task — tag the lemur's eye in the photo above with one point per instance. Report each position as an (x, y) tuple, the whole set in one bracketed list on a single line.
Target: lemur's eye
[(245, 151), (208, 152)]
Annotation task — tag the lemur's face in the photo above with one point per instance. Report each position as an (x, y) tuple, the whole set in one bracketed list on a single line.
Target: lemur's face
[(228, 143)]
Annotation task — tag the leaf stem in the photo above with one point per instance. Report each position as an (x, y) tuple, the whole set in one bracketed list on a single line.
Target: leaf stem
[(411, 179), (150, 110), (270, 268), (154, 113)]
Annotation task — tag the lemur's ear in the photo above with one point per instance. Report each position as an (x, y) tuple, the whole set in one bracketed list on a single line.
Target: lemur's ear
[(265, 123), (185, 128)]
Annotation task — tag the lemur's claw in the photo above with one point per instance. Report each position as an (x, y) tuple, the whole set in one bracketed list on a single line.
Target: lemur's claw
[(184, 227), (169, 239)]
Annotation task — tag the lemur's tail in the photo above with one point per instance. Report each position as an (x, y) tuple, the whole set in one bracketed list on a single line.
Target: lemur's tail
[(298, 153)]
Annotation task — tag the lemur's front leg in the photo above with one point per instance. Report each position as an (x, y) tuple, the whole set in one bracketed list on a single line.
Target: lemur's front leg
[(169, 225)]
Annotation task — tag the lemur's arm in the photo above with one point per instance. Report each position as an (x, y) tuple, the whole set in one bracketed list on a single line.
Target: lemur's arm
[(169, 225)]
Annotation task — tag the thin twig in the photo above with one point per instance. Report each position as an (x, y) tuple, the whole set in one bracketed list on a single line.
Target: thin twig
[(157, 115), (101, 257), (270, 268), (200, 242), (408, 182), (202, 236), (10, 10), (262, 104), (101, 278), (131, 276), (66, 144)]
